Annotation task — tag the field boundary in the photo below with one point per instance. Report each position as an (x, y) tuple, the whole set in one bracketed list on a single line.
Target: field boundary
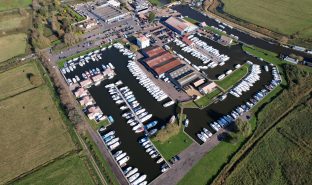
[(37, 168), (299, 143)]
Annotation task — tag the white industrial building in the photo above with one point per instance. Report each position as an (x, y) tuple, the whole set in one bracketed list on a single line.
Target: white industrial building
[(143, 41)]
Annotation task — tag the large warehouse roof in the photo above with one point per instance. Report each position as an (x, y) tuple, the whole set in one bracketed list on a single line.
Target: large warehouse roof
[(164, 68), (152, 51), (151, 62)]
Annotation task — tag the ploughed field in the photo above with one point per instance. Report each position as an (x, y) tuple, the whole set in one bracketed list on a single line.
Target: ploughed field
[(286, 17), (32, 132)]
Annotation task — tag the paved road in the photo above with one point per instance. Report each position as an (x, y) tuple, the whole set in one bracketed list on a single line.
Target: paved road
[(189, 157)]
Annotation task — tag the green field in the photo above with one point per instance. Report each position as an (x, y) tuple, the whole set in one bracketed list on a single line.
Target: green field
[(68, 171), (282, 156), (233, 78), (12, 45), (155, 2), (207, 99), (208, 167), (284, 16), (12, 4), (12, 22), (174, 145), (97, 125), (31, 133), (15, 80)]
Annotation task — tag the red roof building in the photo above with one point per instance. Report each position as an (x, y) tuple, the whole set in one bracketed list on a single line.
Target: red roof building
[(164, 68), (152, 51), (152, 62)]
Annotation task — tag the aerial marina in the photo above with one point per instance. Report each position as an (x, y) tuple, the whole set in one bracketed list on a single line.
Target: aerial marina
[(141, 92), (137, 107), (155, 92)]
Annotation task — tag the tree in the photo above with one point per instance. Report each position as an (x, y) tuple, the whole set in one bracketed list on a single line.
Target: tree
[(35, 5), (244, 127), (134, 48), (55, 25), (70, 38), (151, 16), (66, 25), (33, 79), (38, 40)]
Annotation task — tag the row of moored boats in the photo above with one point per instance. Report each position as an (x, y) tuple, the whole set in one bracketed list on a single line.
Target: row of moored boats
[(151, 150), (124, 50), (121, 158), (133, 112), (241, 109), (245, 84), (146, 82)]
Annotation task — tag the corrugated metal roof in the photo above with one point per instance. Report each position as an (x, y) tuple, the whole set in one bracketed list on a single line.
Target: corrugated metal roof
[(164, 68), (153, 51), (151, 62)]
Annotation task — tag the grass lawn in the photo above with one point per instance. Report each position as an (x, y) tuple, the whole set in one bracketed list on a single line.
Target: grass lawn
[(189, 104), (12, 22), (207, 99), (31, 132), (285, 16), (233, 78), (68, 171), (174, 145), (96, 125), (214, 30), (74, 14), (190, 20), (11, 4), (16, 81), (13, 45), (209, 166), (155, 2), (283, 156)]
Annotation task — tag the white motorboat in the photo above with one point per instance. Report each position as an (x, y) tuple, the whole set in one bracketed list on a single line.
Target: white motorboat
[(130, 173), (139, 180), (123, 160), (133, 177), (121, 156)]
